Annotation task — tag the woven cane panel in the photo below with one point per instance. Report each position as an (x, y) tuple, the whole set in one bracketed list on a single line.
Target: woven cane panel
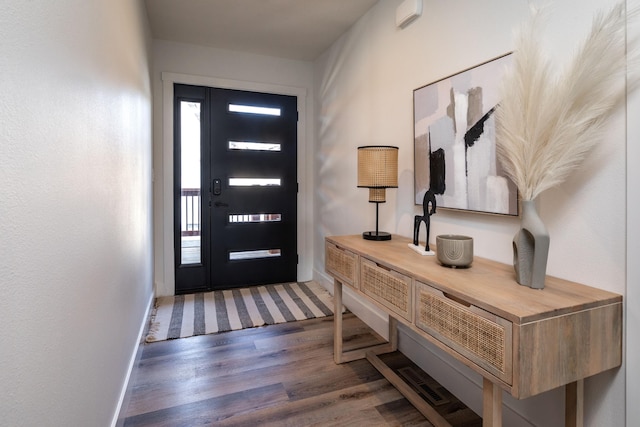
[(378, 167), (391, 290), (342, 264), (466, 330)]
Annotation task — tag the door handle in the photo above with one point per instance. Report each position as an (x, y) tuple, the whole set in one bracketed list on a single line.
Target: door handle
[(221, 205)]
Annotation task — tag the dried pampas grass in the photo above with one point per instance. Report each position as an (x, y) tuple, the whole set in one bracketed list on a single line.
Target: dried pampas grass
[(549, 120)]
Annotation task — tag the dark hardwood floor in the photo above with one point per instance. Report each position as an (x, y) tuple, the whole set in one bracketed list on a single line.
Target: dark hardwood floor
[(280, 375)]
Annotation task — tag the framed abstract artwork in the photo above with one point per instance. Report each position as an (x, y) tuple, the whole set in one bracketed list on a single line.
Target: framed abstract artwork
[(454, 142)]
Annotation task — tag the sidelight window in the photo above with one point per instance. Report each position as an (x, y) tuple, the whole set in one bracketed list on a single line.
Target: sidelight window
[(190, 206)]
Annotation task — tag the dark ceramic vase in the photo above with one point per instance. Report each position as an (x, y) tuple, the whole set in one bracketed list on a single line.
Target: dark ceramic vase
[(531, 248)]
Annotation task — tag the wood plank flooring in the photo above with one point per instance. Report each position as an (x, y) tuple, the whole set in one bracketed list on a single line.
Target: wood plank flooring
[(280, 375)]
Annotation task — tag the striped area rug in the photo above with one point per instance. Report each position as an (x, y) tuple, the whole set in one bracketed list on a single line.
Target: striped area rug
[(219, 311)]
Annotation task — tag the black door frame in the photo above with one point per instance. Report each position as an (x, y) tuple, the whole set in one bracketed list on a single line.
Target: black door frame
[(164, 267), (210, 273)]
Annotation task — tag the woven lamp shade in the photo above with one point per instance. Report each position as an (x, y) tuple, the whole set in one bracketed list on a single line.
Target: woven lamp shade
[(377, 170)]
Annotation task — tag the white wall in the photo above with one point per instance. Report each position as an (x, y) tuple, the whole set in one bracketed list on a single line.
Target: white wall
[(633, 247), (364, 86), (205, 66), (75, 130)]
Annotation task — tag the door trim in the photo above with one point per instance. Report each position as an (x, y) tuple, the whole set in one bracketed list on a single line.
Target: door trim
[(166, 285)]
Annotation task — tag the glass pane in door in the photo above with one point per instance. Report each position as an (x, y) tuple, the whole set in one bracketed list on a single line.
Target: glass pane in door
[(190, 200)]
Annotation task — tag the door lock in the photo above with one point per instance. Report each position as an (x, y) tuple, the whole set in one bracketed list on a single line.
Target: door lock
[(217, 187)]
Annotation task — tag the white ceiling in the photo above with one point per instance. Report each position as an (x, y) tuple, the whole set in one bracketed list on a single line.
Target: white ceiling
[(296, 29)]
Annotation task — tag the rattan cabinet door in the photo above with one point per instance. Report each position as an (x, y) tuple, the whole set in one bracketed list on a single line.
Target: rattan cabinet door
[(478, 335), (341, 264), (388, 287)]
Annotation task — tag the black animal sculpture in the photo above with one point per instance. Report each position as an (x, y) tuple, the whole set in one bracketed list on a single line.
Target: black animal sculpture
[(429, 199)]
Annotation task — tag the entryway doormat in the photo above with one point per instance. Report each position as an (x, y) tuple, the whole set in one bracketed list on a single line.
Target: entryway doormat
[(183, 316)]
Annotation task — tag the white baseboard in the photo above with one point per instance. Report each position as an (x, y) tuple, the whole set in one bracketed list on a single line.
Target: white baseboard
[(135, 354)]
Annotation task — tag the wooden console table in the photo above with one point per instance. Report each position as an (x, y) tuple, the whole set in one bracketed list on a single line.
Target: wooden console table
[(521, 340)]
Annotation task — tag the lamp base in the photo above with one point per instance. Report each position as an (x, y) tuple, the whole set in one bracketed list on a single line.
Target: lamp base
[(372, 235)]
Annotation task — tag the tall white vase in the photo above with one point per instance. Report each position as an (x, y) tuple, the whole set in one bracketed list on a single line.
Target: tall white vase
[(531, 248)]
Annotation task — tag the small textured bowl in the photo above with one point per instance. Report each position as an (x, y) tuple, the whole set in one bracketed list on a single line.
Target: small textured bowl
[(454, 251)]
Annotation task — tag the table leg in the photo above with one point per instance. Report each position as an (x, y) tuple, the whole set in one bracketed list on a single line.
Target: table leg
[(341, 356), (491, 404), (337, 321), (574, 404), (393, 333)]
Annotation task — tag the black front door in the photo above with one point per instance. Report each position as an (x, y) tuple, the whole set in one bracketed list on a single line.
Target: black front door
[(241, 230)]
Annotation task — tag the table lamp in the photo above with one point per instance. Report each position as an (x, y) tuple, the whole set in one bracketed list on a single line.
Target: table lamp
[(377, 171)]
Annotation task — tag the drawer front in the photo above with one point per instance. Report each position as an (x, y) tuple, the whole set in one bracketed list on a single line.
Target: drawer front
[(389, 288), (341, 264), (478, 335)]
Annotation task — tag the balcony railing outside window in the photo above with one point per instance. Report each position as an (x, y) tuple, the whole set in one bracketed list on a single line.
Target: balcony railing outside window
[(190, 206)]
